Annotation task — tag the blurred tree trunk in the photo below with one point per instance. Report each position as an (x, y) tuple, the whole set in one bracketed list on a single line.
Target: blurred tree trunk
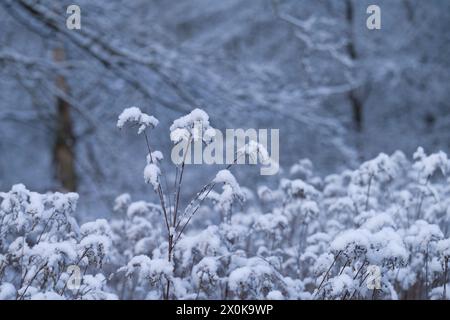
[(64, 143), (355, 101)]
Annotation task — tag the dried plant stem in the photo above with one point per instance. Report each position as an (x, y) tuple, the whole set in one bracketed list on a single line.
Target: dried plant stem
[(445, 278), (328, 271), (368, 192)]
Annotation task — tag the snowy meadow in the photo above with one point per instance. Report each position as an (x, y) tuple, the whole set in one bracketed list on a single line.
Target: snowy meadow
[(380, 231), (224, 150)]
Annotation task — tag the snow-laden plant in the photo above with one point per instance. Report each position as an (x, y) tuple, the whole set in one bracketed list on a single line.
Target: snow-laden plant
[(380, 231), (353, 222), (41, 245), (184, 130), (231, 193)]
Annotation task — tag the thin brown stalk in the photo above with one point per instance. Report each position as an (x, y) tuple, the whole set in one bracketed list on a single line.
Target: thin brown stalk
[(328, 271)]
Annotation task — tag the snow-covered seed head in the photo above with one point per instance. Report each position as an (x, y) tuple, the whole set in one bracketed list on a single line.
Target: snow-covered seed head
[(135, 116), (255, 150), (428, 165), (193, 126)]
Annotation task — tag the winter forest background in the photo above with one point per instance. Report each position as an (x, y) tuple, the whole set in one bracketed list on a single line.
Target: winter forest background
[(364, 121)]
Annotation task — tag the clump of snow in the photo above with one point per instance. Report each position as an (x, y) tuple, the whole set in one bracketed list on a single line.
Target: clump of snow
[(134, 115), (196, 116), (177, 135), (231, 191), (298, 189), (49, 295), (121, 202), (443, 247), (421, 233), (352, 242), (148, 269), (265, 194), (7, 291), (98, 227), (378, 222), (253, 274), (275, 295), (270, 222), (387, 246), (226, 177), (194, 126), (208, 242), (205, 272), (382, 168), (427, 165), (155, 156), (303, 168), (151, 175), (255, 151), (340, 284), (141, 208)]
